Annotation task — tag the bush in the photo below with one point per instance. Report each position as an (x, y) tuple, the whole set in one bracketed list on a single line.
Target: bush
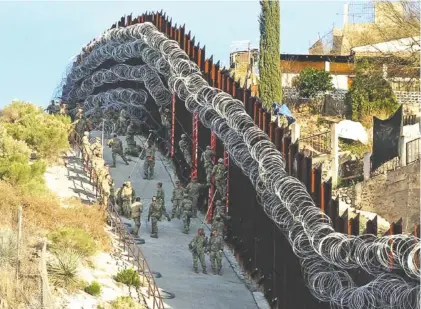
[(129, 277), (62, 268), (311, 82), (8, 246), (46, 134), (74, 238), (14, 163), (125, 302), (370, 94), (93, 289)]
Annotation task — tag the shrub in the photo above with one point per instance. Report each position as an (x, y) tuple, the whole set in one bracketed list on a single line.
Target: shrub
[(8, 246), (129, 277), (62, 268), (93, 289), (370, 94), (311, 82), (126, 302), (74, 238), (46, 134)]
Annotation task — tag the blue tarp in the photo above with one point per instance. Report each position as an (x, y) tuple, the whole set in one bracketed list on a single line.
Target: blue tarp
[(283, 110)]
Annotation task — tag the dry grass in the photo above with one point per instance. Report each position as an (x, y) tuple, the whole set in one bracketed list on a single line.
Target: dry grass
[(42, 213)]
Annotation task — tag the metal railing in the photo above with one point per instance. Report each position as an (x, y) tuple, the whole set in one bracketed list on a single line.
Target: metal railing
[(413, 151), (319, 142), (46, 296), (134, 253)]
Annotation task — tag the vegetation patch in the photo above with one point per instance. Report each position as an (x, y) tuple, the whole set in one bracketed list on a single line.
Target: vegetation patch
[(74, 238), (125, 302), (93, 289), (129, 277)]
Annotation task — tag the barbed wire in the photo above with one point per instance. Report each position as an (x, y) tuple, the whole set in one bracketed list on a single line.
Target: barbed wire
[(325, 254)]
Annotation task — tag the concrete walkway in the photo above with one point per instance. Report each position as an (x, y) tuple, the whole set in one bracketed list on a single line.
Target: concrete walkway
[(169, 254)]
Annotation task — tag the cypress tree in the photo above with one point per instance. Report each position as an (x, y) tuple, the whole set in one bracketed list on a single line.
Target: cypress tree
[(270, 85)]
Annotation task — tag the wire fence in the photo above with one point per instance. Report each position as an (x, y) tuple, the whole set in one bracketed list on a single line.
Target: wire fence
[(47, 300)]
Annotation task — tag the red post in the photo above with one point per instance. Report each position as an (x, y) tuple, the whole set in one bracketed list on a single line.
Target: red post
[(212, 187), (173, 127), (195, 138)]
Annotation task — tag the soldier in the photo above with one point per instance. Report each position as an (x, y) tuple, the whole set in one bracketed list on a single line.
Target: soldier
[(177, 198), (149, 163), (127, 197), (119, 201), (220, 209), (165, 121), (112, 191), (52, 108), (193, 189), (197, 247), (105, 188), (160, 194), (86, 147), (186, 207), (96, 148), (122, 122), (117, 149), (137, 209), (218, 225), (206, 158), (184, 147), (216, 248), (219, 172), (155, 212)]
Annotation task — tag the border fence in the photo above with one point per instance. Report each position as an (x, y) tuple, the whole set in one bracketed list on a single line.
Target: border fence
[(259, 246)]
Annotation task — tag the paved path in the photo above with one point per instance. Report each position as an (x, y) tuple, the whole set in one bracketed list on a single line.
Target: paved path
[(169, 254)]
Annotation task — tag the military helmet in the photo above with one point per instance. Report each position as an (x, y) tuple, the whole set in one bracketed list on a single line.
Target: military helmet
[(153, 198), (97, 138), (177, 182), (183, 135), (86, 133), (185, 194), (220, 160), (167, 110), (208, 147), (194, 178), (159, 184), (114, 135), (218, 202)]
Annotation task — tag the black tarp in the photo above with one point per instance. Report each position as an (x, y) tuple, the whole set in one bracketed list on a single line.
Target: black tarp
[(386, 135)]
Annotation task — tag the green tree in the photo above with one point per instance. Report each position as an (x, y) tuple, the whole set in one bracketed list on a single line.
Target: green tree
[(369, 94), (311, 82), (43, 133), (270, 84)]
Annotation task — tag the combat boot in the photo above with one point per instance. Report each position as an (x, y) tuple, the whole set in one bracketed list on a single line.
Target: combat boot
[(112, 165), (196, 270), (154, 235), (214, 271), (220, 272), (172, 216), (185, 232), (204, 271)]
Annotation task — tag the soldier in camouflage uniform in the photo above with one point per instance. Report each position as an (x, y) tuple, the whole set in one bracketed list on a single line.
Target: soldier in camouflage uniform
[(218, 225), (122, 122), (165, 121), (86, 148), (184, 147), (216, 248), (149, 162), (197, 247), (106, 188), (96, 148), (127, 195), (52, 109), (220, 207), (160, 198), (116, 149), (186, 208), (193, 189), (136, 210), (219, 171), (119, 201), (177, 198), (206, 158), (155, 213)]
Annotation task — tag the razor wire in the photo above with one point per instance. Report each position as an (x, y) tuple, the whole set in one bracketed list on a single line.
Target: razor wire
[(284, 198)]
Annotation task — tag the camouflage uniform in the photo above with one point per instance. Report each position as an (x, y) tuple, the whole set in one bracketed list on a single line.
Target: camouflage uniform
[(127, 197), (218, 225), (119, 201), (177, 198), (166, 121), (207, 162), (86, 147), (216, 247), (96, 148), (149, 162), (117, 149), (184, 147), (186, 207), (105, 188), (122, 121), (193, 189), (160, 197), (136, 210), (155, 213), (198, 247), (219, 171)]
